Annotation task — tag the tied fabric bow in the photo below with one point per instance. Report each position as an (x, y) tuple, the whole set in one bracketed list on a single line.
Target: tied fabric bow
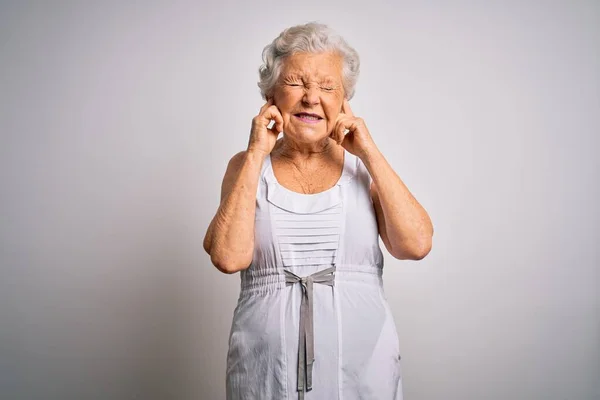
[(306, 344)]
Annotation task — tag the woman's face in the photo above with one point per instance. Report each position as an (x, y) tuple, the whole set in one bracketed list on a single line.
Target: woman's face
[(309, 84)]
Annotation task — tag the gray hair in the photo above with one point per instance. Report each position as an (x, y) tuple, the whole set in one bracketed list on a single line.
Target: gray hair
[(312, 37)]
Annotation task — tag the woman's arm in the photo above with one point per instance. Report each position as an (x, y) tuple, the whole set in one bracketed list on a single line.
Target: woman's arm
[(404, 225), (230, 236)]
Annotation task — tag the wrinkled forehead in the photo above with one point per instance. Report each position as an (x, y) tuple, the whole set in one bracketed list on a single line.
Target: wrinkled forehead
[(312, 66)]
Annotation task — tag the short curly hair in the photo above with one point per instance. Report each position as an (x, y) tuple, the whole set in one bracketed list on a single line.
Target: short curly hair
[(312, 37)]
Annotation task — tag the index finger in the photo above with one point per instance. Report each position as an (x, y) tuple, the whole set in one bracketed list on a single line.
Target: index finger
[(266, 105), (346, 108)]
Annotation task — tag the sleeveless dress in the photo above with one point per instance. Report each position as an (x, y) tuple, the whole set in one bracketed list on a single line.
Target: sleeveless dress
[(311, 320)]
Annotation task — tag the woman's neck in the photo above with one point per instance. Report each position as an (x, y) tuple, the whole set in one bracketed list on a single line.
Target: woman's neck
[(302, 153)]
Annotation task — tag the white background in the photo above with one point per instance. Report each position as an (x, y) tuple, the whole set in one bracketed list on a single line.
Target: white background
[(117, 122)]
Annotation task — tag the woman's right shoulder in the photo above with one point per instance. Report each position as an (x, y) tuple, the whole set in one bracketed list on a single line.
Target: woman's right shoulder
[(233, 167), (236, 161)]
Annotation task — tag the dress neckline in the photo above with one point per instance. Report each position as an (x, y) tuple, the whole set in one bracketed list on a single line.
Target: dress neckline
[(345, 176)]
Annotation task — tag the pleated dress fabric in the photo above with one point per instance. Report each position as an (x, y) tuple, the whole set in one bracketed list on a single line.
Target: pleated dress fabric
[(312, 321)]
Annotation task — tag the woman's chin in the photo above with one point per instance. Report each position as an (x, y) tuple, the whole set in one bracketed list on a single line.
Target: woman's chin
[(306, 135)]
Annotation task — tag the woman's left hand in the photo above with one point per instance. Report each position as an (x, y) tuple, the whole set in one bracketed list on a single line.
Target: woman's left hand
[(357, 140)]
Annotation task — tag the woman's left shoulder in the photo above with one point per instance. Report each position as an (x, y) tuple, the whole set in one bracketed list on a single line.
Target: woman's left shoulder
[(360, 171)]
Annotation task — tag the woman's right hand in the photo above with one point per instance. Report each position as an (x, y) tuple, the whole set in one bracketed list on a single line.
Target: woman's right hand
[(262, 138)]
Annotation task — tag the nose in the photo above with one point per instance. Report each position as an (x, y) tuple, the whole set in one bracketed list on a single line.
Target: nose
[(311, 95)]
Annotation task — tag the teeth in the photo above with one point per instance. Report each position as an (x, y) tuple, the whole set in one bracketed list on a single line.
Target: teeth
[(308, 117)]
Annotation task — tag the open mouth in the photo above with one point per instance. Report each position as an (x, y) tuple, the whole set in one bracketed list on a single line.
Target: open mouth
[(308, 117)]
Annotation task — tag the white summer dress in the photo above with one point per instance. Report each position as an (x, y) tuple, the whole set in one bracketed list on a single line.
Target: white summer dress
[(312, 321)]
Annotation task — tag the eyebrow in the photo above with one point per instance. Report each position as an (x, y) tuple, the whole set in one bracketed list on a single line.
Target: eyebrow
[(328, 78)]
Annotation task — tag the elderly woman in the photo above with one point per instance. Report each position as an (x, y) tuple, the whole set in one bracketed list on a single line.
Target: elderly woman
[(301, 218)]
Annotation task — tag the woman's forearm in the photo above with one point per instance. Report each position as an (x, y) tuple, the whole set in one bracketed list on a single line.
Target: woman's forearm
[(407, 224), (230, 236)]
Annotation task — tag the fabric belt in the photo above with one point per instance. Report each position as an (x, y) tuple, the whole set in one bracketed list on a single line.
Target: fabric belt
[(306, 343)]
